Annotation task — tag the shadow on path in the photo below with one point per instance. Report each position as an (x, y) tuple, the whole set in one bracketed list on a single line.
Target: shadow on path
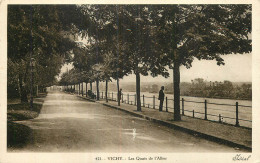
[(18, 135)]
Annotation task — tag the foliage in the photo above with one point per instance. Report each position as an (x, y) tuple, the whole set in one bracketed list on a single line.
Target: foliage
[(226, 89), (185, 32), (148, 38), (202, 31), (37, 31)]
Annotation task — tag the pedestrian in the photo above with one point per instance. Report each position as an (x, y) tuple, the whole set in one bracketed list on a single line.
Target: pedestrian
[(119, 94), (161, 98)]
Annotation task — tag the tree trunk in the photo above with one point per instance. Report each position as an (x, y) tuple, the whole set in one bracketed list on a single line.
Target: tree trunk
[(22, 79), (86, 89), (23, 96), (106, 90), (79, 89), (97, 82), (37, 91), (82, 91), (31, 90), (176, 82), (138, 104), (118, 94), (18, 85)]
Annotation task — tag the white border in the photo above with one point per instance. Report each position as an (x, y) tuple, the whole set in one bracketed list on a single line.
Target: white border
[(89, 157)]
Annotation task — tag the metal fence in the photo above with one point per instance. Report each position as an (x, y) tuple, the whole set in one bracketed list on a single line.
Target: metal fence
[(235, 114), (229, 113)]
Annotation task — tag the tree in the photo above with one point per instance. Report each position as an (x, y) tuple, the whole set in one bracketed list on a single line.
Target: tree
[(104, 45), (152, 37), (131, 40), (37, 31), (185, 32)]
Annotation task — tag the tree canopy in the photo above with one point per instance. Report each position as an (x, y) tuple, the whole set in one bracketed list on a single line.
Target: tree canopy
[(125, 39), (39, 32)]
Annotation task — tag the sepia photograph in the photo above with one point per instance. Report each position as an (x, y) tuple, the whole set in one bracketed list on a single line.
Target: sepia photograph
[(128, 82)]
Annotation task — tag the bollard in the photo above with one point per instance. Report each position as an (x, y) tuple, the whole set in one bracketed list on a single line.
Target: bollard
[(143, 101), (193, 113), (219, 118), (153, 101), (205, 110), (182, 100), (237, 122), (128, 98), (166, 105)]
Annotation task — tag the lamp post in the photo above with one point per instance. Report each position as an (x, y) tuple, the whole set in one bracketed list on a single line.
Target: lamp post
[(32, 65)]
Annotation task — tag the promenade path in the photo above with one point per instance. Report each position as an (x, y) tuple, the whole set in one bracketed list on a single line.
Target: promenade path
[(238, 137), (68, 123)]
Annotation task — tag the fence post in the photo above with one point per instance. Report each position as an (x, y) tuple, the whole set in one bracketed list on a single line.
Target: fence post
[(166, 104), (205, 110), (237, 122), (153, 101), (143, 101), (112, 96), (193, 113), (182, 100)]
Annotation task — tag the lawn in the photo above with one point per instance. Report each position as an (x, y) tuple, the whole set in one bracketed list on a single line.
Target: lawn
[(22, 111), (17, 134)]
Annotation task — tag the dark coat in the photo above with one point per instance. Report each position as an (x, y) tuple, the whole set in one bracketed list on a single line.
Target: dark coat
[(119, 95), (161, 95)]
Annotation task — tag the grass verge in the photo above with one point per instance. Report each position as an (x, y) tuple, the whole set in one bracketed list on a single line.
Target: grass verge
[(22, 111), (17, 134)]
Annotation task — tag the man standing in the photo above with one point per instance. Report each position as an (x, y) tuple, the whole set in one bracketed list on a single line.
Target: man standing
[(161, 98), (120, 94)]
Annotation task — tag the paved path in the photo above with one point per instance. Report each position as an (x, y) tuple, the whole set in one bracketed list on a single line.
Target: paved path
[(221, 132), (70, 124)]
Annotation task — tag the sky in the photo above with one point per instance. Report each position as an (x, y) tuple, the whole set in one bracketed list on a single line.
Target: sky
[(237, 68)]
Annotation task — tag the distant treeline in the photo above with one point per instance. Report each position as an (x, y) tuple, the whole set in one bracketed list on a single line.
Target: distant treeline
[(196, 88), (201, 88)]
